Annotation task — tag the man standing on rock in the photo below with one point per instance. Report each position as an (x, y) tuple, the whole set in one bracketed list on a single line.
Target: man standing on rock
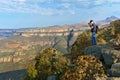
[(93, 27)]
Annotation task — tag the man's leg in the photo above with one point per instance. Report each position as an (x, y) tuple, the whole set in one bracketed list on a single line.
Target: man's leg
[(93, 38)]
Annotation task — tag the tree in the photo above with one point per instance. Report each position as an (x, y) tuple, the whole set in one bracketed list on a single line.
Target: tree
[(50, 62), (31, 73), (80, 44)]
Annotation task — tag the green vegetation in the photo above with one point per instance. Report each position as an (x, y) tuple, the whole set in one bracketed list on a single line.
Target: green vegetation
[(108, 35), (31, 73), (85, 68), (51, 62), (81, 43), (48, 62)]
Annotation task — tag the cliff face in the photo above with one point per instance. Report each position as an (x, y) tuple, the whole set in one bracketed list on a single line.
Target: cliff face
[(10, 59), (42, 32), (16, 56), (6, 59), (25, 44)]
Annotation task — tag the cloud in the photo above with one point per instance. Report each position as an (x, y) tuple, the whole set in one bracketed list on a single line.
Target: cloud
[(31, 6), (50, 7), (64, 6)]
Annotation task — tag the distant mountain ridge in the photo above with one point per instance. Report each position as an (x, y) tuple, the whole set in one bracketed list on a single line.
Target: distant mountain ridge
[(107, 21), (112, 18), (104, 22), (76, 27)]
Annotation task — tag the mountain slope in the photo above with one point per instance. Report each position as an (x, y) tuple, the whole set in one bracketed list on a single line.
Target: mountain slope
[(107, 21)]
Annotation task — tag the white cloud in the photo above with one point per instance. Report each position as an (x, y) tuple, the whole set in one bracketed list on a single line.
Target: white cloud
[(114, 1), (30, 6), (64, 6)]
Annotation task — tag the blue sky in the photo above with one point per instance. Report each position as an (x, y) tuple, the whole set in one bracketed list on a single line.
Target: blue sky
[(42, 13)]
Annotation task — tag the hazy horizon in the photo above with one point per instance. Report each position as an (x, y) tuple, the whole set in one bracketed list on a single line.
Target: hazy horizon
[(15, 14)]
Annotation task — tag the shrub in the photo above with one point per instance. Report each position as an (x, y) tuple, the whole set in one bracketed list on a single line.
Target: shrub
[(31, 73), (85, 68), (81, 43), (50, 62)]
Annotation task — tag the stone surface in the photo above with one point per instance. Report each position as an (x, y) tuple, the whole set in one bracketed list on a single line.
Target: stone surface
[(101, 78), (115, 70), (93, 50), (109, 56), (113, 78), (52, 77)]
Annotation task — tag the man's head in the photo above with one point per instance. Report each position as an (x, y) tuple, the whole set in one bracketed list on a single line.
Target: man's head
[(91, 21)]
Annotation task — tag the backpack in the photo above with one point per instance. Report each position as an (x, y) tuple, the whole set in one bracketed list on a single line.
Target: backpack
[(97, 28)]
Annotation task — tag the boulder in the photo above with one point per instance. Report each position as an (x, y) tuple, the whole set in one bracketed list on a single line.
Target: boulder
[(109, 78), (110, 56), (94, 50), (115, 70), (101, 78), (52, 77), (113, 78), (106, 53)]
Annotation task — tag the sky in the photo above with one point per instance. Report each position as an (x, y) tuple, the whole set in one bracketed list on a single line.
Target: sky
[(15, 14)]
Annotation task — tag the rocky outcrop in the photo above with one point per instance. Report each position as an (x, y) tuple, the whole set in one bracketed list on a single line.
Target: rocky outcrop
[(115, 70), (108, 55), (51, 77), (9, 59), (6, 59), (53, 31), (109, 78), (111, 56), (43, 34)]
